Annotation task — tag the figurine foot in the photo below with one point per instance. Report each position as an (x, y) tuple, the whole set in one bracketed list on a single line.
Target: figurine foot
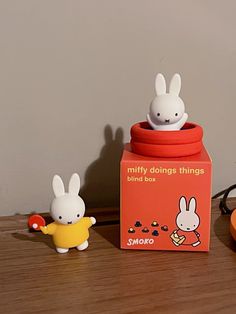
[(196, 243), (61, 250), (82, 246)]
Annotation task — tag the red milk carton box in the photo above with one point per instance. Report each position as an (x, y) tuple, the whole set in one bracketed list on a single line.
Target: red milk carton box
[(166, 201)]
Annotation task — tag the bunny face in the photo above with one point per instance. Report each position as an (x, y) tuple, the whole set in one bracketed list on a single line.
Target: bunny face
[(67, 208), (187, 219), (167, 108)]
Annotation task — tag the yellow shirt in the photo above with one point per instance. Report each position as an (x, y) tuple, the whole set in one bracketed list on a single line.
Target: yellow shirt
[(68, 236)]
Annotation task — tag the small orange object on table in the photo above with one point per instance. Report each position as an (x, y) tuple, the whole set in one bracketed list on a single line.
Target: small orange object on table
[(233, 224), (36, 221)]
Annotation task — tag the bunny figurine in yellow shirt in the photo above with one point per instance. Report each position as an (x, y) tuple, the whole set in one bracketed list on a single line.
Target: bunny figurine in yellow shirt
[(70, 227)]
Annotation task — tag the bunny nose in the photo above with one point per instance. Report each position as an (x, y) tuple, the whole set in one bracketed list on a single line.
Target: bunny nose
[(188, 228), (69, 222), (167, 120)]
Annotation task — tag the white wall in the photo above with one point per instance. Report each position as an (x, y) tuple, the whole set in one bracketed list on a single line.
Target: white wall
[(69, 69)]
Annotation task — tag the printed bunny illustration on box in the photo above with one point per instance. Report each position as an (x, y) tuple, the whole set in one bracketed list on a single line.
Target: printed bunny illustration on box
[(70, 227), (187, 222), (167, 110)]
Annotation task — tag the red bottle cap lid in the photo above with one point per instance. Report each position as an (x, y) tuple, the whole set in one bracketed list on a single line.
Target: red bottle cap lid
[(154, 143), (36, 221)]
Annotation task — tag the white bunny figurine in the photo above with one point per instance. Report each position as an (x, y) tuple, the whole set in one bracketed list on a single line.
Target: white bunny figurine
[(167, 111), (70, 227), (187, 221)]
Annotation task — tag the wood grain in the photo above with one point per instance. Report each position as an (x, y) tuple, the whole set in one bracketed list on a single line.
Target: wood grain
[(105, 279)]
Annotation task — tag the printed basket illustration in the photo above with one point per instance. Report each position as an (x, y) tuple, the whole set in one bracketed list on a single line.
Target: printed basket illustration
[(153, 143)]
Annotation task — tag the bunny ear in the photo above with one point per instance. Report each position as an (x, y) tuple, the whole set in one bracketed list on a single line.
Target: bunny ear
[(58, 186), (175, 84), (119, 135), (182, 204), (108, 134), (74, 184), (192, 205), (160, 84)]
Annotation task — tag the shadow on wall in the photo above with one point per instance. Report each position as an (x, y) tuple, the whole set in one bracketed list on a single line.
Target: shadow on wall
[(102, 178)]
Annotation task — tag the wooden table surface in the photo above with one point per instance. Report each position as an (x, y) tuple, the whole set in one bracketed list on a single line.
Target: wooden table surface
[(105, 279)]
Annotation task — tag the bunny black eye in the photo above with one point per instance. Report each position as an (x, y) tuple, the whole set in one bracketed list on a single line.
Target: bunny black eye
[(78, 215), (181, 224), (176, 114), (60, 217), (158, 114)]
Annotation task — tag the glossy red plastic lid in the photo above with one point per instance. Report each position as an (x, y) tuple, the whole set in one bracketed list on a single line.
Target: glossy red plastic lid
[(190, 133), (148, 142)]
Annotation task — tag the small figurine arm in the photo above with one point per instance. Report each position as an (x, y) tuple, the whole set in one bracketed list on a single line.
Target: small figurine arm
[(93, 220), (150, 122), (197, 234), (49, 229), (181, 122), (44, 229), (88, 221)]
